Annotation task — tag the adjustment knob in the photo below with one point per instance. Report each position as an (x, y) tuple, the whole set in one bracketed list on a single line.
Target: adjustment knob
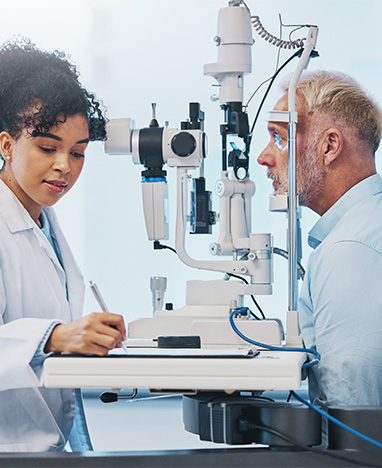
[(183, 144)]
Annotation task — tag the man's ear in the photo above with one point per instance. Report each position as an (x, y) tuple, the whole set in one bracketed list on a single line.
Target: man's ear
[(6, 145), (331, 145)]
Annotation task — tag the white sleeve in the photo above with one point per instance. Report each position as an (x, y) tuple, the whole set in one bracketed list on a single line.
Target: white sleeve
[(19, 340)]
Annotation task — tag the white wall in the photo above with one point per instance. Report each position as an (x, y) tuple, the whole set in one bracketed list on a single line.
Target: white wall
[(132, 53)]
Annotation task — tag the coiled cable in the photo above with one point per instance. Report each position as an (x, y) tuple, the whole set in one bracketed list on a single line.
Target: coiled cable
[(276, 41)]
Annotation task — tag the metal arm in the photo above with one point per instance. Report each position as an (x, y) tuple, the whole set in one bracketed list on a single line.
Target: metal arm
[(258, 266), (292, 190)]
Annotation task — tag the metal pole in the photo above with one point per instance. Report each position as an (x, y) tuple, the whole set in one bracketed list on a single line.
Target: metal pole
[(292, 218), (292, 189)]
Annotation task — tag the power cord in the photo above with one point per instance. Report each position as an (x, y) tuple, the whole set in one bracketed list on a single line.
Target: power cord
[(252, 297), (296, 54), (245, 425), (283, 253), (275, 348), (336, 421), (158, 246)]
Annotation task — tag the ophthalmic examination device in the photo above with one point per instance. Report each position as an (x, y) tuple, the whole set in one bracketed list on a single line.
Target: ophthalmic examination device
[(215, 351)]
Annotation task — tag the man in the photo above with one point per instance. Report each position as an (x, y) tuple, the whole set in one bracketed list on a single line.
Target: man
[(338, 133)]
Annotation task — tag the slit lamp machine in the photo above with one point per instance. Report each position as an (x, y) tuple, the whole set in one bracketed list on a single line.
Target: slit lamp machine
[(201, 349)]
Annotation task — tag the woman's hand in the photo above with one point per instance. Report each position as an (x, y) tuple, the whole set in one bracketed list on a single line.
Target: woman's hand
[(96, 333)]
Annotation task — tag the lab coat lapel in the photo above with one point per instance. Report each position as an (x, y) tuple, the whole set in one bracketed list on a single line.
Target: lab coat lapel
[(74, 279), (18, 219), (44, 243)]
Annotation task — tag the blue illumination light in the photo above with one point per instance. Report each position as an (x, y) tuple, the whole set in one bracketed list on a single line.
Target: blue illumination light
[(278, 142)]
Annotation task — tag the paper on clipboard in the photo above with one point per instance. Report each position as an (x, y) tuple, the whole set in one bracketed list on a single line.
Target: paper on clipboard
[(229, 353)]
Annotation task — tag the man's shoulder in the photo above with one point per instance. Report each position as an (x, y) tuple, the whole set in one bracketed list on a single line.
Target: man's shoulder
[(361, 224)]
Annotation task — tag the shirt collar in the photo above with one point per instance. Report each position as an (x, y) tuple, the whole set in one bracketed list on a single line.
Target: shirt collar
[(367, 187), (45, 226)]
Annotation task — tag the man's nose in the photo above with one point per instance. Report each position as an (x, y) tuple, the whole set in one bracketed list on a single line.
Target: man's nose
[(266, 158)]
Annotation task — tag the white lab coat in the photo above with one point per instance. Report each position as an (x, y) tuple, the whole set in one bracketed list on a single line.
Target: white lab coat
[(32, 296)]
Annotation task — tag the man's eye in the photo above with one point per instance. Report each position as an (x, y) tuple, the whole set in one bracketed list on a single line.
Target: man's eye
[(278, 142)]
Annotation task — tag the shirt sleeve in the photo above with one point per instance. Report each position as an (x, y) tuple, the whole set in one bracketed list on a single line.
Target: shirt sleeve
[(40, 356), (22, 344), (346, 296)]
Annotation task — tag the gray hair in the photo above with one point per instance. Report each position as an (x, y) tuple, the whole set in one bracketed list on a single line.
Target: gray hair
[(339, 96)]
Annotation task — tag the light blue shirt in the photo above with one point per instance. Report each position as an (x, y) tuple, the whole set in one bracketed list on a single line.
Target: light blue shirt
[(340, 305)]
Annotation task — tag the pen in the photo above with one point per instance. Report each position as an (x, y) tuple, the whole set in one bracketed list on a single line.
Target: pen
[(98, 296), (102, 304)]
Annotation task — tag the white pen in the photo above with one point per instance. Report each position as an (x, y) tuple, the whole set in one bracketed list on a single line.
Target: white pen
[(102, 304)]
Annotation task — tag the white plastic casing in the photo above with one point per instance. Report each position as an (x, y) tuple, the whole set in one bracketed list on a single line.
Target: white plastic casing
[(270, 370), (123, 138), (119, 133), (234, 38), (172, 159), (155, 208)]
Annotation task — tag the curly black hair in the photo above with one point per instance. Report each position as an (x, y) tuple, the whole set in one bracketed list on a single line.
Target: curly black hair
[(39, 89)]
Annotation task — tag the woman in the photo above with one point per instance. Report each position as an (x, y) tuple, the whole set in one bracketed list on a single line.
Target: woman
[(46, 122)]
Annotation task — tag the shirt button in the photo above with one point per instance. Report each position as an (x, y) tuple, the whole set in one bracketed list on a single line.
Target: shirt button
[(67, 406)]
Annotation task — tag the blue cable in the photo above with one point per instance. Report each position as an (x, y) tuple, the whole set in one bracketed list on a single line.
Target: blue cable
[(270, 347), (311, 363), (336, 421)]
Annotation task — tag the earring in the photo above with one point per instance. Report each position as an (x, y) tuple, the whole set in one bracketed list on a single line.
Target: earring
[(8, 158)]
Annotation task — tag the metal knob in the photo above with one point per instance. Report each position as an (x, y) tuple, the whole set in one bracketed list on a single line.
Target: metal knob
[(158, 286)]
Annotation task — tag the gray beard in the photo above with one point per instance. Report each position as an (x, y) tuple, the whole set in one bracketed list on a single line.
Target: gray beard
[(310, 177)]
